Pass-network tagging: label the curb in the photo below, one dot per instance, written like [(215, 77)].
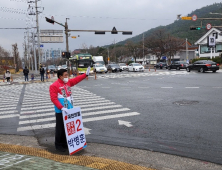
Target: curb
[(87, 161)]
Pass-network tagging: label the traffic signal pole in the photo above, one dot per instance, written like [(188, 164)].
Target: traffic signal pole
[(67, 43)]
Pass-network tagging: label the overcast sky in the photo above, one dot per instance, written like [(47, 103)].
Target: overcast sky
[(130, 15)]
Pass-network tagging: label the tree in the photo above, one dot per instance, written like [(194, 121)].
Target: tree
[(17, 60), (156, 44), (132, 49), (173, 45)]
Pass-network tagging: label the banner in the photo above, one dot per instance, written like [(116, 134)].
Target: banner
[(73, 125)]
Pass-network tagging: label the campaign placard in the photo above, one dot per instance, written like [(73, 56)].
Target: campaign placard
[(73, 125)]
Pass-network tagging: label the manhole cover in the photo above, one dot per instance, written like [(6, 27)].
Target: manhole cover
[(185, 102)]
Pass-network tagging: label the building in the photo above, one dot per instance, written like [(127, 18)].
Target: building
[(204, 50), (51, 54)]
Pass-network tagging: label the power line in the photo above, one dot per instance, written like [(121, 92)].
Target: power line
[(21, 11), (16, 28)]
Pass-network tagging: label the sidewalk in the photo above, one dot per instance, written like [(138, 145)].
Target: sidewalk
[(35, 158), (24, 152)]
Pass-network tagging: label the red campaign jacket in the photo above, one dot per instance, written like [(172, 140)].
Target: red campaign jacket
[(58, 90)]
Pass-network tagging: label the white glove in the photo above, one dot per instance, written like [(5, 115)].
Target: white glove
[(88, 70), (65, 110)]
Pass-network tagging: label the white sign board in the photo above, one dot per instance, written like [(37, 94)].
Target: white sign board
[(73, 125), (211, 41)]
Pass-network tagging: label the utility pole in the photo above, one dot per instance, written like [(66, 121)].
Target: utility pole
[(67, 42), (33, 42), (186, 50), (37, 25), (143, 48)]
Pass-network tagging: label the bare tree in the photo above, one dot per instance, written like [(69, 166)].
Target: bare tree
[(17, 60), (132, 49)]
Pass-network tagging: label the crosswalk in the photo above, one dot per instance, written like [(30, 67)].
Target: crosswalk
[(141, 74), (9, 101), (37, 111)]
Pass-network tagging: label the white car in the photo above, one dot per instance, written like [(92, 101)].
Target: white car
[(99, 68), (123, 66), (135, 67), (59, 67)]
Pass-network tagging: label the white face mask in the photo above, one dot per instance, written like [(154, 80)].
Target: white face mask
[(65, 80)]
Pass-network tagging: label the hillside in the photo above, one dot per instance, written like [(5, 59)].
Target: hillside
[(181, 28)]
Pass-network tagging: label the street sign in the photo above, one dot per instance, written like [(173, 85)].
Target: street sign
[(186, 18), (211, 41), (74, 130), (41, 45), (114, 31), (208, 26), (73, 36), (194, 17)]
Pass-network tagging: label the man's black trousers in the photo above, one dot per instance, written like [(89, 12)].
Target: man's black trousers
[(60, 136)]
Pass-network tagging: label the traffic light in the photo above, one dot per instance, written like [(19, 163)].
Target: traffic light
[(49, 20), (66, 55), (195, 28)]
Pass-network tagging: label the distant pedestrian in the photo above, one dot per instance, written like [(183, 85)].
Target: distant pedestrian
[(42, 72), (32, 77), (8, 76), (26, 73)]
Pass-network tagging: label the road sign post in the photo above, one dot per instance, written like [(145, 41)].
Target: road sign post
[(208, 26), (194, 18)]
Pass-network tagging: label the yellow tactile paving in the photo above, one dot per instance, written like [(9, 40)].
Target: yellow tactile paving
[(87, 161)]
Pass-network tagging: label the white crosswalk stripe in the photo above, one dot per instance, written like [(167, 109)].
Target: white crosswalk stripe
[(37, 111), (9, 100), (141, 74)]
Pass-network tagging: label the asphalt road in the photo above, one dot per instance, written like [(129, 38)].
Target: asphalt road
[(173, 112)]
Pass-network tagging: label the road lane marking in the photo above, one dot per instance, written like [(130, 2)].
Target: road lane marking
[(192, 87), (8, 112), (52, 125), (166, 87), (9, 108), (9, 116), (110, 116), (53, 118), (75, 103), (143, 87), (217, 87), (82, 106)]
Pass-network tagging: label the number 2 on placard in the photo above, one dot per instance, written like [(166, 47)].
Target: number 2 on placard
[(78, 121)]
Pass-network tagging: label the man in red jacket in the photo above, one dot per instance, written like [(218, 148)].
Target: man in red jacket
[(61, 96)]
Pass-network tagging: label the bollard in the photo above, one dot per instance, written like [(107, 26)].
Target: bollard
[(149, 68), (95, 75), (12, 79), (3, 79), (155, 69)]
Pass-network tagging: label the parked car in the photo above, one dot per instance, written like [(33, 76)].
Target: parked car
[(123, 66), (52, 69), (59, 67), (99, 68), (203, 65), (161, 65), (178, 65), (113, 67), (64, 67), (135, 67)]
